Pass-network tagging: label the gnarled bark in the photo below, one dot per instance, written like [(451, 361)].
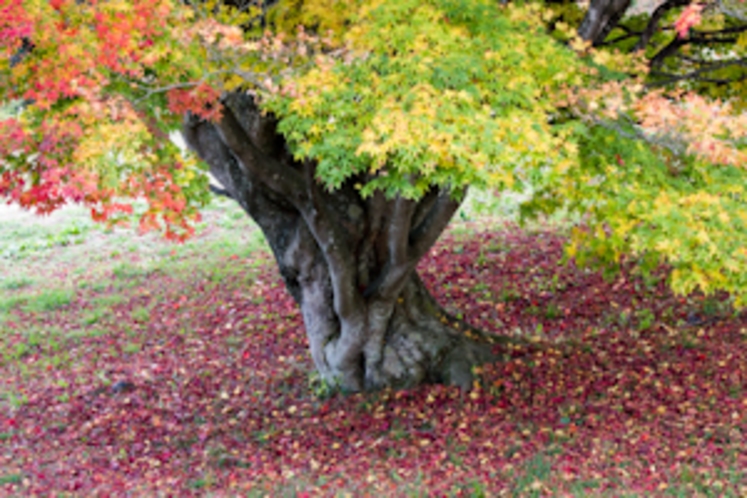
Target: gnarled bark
[(348, 262), (601, 18)]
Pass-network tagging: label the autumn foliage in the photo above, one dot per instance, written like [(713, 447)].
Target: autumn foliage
[(418, 94), (81, 137), (367, 121)]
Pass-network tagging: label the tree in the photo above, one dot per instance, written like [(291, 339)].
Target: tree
[(350, 132)]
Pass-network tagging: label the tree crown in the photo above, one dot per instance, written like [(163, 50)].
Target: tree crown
[(397, 96)]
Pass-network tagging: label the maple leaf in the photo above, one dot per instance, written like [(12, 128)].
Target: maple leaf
[(688, 18)]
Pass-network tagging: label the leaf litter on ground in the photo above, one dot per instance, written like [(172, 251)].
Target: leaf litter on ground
[(190, 384)]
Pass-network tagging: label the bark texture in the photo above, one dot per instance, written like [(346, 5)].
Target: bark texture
[(348, 262), (601, 18)]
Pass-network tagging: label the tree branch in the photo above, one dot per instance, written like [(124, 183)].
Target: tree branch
[(424, 206), (399, 230), (696, 38), (333, 243), (425, 234), (668, 50), (376, 209), (697, 73), (654, 21), (629, 33), (725, 31), (202, 137), (399, 264), (370, 254), (715, 81), (674, 146), (261, 127), (602, 16), (419, 239), (280, 178)]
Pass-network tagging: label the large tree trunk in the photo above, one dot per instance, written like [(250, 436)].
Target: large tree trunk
[(348, 262)]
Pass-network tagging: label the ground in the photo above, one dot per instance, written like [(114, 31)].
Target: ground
[(133, 366)]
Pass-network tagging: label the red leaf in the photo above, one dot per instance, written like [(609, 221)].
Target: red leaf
[(689, 18)]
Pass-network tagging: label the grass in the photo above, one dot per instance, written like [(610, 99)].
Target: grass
[(94, 316), (49, 300), (533, 474), (16, 283), (11, 479), (45, 301), (128, 271), (108, 300), (11, 302), (49, 263), (141, 314), (95, 256)]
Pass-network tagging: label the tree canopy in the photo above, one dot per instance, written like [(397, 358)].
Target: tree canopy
[(646, 148)]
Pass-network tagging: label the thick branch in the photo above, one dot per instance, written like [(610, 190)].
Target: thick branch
[(602, 16), (628, 33), (425, 234), (261, 127), (328, 234), (399, 231), (424, 206), (711, 37), (278, 177), (326, 228), (202, 137), (368, 254), (668, 50), (654, 21), (696, 38), (398, 264), (423, 229), (375, 206), (275, 215)]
